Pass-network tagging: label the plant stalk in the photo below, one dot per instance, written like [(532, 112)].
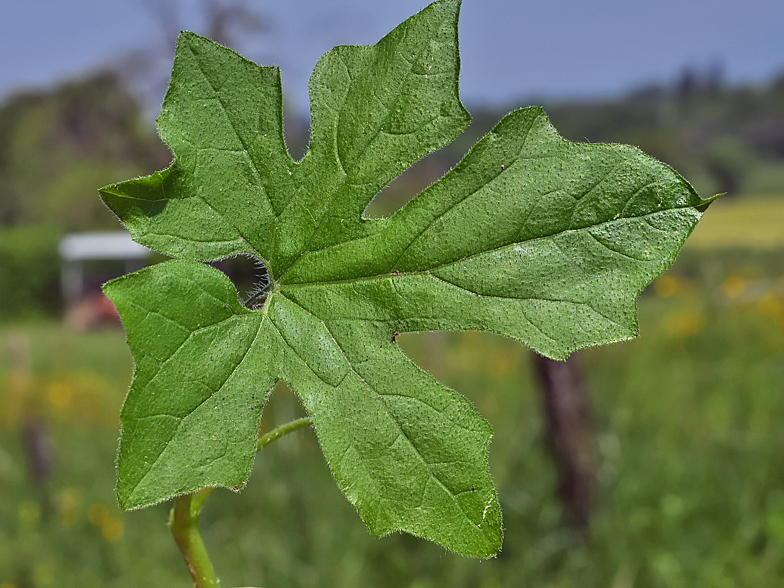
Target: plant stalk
[(184, 517), (184, 525), (276, 434)]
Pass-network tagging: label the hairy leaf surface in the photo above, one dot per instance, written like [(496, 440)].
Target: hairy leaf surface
[(530, 236)]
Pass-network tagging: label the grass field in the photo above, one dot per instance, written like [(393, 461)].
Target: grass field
[(752, 222), (689, 422)]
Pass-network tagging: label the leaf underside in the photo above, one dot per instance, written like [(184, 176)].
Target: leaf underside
[(530, 236)]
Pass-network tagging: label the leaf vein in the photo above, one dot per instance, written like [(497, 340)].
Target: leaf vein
[(394, 420), (182, 419)]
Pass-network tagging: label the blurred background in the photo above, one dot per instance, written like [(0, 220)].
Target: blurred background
[(669, 471)]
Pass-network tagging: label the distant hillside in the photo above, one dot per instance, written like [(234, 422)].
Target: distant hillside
[(57, 148)]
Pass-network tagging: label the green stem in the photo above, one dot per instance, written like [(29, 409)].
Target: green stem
[(184, 517), (184, 525), (198, 499), (276, 434)]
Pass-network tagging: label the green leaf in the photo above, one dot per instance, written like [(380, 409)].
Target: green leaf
[(530, 236)]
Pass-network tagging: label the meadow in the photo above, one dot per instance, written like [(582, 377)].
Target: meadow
[(688, 419)]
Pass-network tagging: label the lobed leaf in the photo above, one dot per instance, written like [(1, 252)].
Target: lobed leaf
[(530, 236)]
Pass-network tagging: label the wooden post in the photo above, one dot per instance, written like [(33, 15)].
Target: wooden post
[(570, 435)]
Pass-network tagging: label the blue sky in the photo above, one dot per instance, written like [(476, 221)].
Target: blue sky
[(510, 50)]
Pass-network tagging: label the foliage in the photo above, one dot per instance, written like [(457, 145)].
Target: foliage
[(56, 146), (530, 236), (29, 272)]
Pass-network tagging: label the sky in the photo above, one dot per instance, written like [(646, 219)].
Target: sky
[(510, 49)]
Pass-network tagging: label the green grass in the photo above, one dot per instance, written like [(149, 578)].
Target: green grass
[(751, 222), (689, 423)]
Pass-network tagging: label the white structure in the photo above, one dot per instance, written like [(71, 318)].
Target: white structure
[(77, 248)]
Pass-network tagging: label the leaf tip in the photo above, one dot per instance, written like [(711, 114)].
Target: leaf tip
[(108, 289), (704, 204), (112, 288), (124, 499), (185, 36)]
